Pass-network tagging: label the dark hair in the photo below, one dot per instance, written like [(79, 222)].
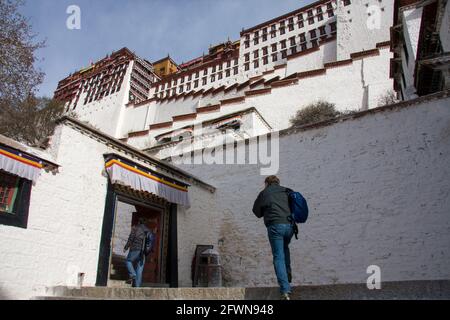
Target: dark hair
[(271, 180), (142, 221)]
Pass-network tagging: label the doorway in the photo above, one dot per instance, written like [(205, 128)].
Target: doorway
[(123, 209)]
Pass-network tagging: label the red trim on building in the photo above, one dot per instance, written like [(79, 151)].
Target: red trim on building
[(138, 133), (265, 73), (232, 100), (257, 83), (303, 53), (216, 91), (161, 125), (198, 93), (233, 86), (283, 83), (274, 79), (243, 85), (258, 92), (338, 63), (311, 73), (280, 66), (384, 44), (284, 16), (183, 117), (210, 108), (365, 53)]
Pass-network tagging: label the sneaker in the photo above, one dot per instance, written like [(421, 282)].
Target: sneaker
[(289, 277), (285, 296)]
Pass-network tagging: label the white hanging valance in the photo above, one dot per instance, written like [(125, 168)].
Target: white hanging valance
[(141, 179), (19, 164)]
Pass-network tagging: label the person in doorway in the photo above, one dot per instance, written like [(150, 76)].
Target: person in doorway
[(272, 203), (136, 258)]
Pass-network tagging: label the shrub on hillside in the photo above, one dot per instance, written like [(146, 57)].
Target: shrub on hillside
[(315, 112)]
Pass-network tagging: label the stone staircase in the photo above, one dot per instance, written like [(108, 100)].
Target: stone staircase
[(435, 289)]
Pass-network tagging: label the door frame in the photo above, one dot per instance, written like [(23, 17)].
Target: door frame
[(105, 250)]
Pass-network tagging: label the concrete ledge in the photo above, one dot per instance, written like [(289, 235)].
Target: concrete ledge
[(147, 293), (405, 290)]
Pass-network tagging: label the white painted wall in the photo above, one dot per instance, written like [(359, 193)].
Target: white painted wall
[(197, 226), (357, 31), (65, 222), (106, 114), (411, 20), (351, 87), (252, 125), (378, 191), (314, 60)]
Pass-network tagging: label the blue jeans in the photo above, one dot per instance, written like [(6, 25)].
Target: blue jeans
[(135, 257), (280, 236)]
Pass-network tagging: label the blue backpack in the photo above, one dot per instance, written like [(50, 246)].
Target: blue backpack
[(298, 206), (149, 242)]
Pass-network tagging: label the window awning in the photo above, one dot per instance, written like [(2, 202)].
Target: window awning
[(237, 119), (139, 178), (20, 164), (175, 133)]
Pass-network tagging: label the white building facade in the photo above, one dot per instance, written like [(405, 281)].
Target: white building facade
[(336, 51)]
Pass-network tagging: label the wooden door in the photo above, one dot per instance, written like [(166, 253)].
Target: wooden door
[(151, 273)]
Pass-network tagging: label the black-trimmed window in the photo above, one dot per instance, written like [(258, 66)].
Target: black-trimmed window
[(14, 200), (274, 57), (274, 47)]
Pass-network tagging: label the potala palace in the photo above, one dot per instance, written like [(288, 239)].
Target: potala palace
[(376, 179), (334, 51)]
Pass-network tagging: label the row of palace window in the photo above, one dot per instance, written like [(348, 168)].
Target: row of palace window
[(204, 81), (95, 83), (196, 75), (290, 25), (283, 44)]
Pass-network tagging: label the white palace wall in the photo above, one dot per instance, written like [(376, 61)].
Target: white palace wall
[(106, 114), (355, 85), (362, 24), (378, 191), (65, 221)]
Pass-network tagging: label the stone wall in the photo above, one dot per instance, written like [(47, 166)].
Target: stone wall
[(378, 189)]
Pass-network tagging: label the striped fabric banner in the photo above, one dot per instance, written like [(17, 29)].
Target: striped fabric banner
[(20, 164), (140, 179)]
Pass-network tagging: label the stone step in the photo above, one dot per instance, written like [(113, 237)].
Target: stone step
[(149, 293), (433, 289)]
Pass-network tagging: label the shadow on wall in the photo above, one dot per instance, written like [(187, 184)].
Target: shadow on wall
[(3, 295)]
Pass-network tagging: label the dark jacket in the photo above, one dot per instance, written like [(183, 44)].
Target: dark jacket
[(136, 238), (272, 204)]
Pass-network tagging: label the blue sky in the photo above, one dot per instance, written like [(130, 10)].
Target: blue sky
[(151, 28)]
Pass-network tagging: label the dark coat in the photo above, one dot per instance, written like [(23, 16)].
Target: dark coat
[(273, 204), (136, 238)]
